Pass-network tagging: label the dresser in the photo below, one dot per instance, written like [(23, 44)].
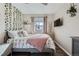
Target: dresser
[(75, 46)]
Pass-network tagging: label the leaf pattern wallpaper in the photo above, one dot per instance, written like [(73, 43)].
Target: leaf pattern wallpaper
[(13, 18)]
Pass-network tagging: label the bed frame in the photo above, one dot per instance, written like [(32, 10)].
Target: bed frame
[(35, 52)]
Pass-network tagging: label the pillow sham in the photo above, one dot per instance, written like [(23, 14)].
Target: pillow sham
[(38, 43), (13, 34)]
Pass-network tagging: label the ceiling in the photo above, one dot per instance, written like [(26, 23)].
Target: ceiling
[(38, 8)]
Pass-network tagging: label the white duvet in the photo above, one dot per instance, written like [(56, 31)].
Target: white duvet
[(20, 42)]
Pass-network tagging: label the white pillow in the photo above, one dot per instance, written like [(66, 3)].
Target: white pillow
[(25, 32), (13, 34)]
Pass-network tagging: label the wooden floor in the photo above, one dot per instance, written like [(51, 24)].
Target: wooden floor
[(59, 52)]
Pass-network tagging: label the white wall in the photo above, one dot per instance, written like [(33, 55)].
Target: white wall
[(2, 23), (49, 21), (70, 28), (27, 27)]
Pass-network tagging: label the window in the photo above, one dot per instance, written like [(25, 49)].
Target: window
[(39, 25)]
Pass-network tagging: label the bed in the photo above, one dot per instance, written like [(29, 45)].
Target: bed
[(20, 45)]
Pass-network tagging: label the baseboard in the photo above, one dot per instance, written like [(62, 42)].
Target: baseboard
[(63, 49)]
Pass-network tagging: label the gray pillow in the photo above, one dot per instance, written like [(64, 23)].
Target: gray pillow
[(21, 34)]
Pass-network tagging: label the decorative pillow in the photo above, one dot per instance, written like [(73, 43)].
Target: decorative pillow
[(38, 43), (21, 34), (25, 32)]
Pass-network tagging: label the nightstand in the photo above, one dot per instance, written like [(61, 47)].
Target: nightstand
[(6, 48)]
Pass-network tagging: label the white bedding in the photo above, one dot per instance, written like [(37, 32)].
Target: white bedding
[(20, 42)]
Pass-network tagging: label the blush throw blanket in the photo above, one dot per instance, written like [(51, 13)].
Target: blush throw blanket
[(37, 43)]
